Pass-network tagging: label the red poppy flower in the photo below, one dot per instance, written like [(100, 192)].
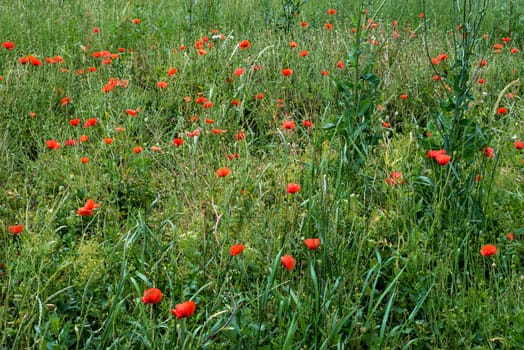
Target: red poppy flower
[(403, 96), (138, 149), (200, 100), (84, 160), (481, 81), (83, 138), (218, 131), (324, 73), (132, 112), (288, 262), (87, 209), (514, 50), (15, 229), (443, 56), (340, 65), (488, 250), (288, 124), (137, 20), (236, 249), (506, 39), (238, 72), (328, 26), (240, 136), (207, 104), (307, 123), (161, 84), (90, 122), (244, 45), (293, 44), (178, 142), (236, 102), (96, 30), (259, 96), (432, 154), (331, 11), (395, 178), (108, 140), (502, 110), (193, 133), (184, 310), (287, 72), (152, 296), (304, 53), (489, 152), (233, 156), (293, 188), (223, 172), (54, 59), (518, 145), (443, 159), (34, 61), (71, 142), (52, 144), (65, 101), (8, 45), (510, 236), (312, 243)]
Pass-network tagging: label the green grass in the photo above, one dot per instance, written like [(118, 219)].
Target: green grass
[(399, 266)]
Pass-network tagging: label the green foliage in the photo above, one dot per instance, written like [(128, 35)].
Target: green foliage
[(398, 264)]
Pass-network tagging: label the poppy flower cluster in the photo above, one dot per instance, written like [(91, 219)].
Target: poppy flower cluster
[(113, 83), (395, 178), (439, 156), (32, 60)]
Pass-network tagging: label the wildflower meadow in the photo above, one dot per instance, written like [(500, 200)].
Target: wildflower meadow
[(273, 174)]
